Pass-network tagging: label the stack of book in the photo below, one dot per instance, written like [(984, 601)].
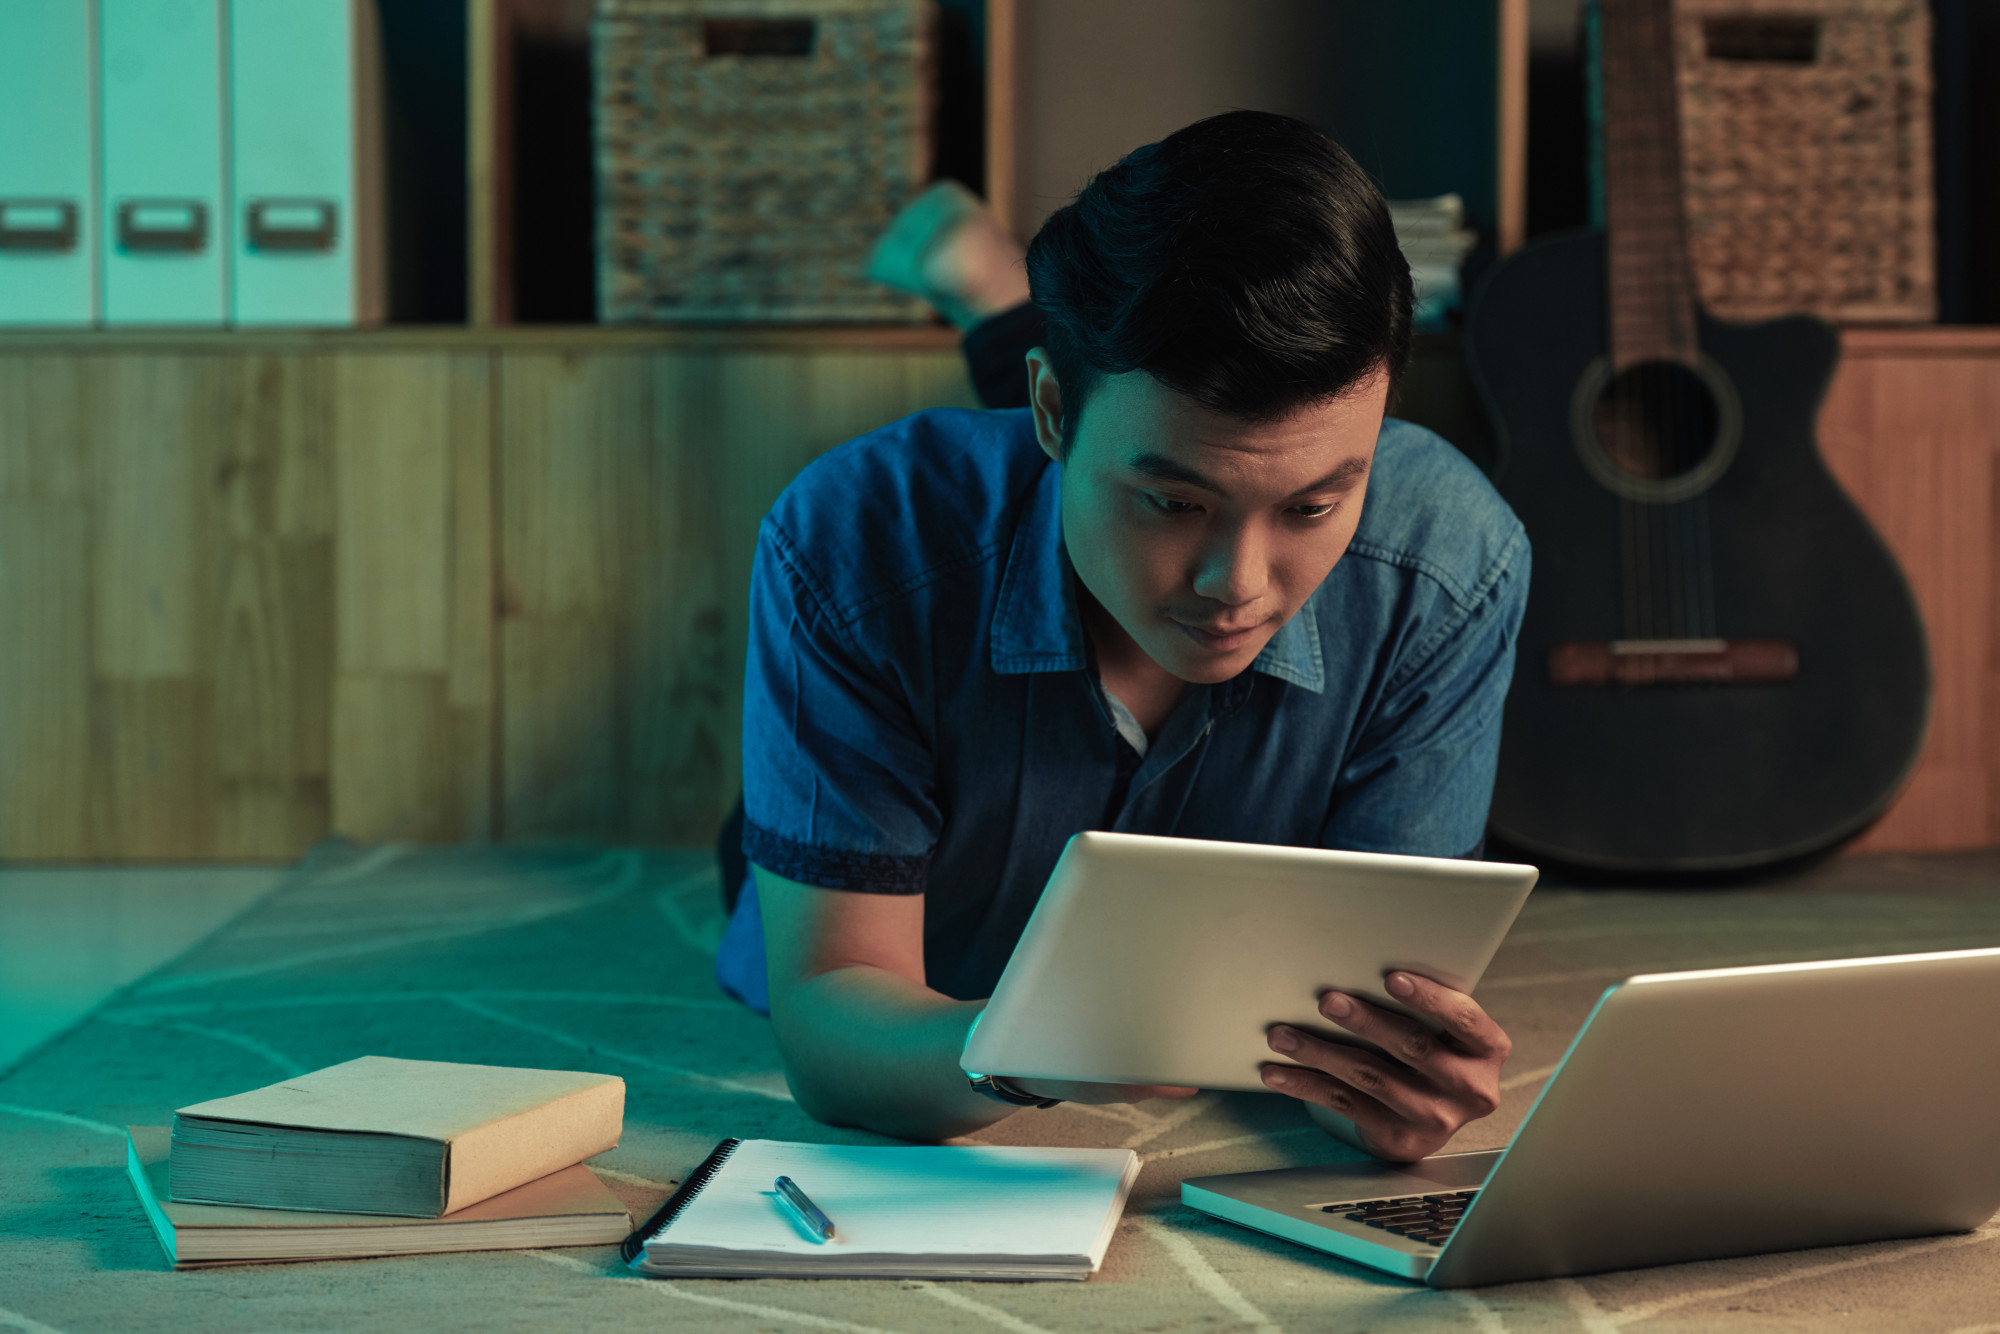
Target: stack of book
[(380, 1156), (1435, 240)]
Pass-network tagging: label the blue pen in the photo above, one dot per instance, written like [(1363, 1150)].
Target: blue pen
[(816, 1222)]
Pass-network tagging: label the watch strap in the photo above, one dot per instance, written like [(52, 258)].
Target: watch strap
[(998, 1089)]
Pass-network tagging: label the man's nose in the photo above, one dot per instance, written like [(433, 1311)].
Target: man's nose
[(1235, 570)]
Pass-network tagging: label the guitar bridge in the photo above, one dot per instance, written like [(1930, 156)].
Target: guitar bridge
[(1673, 662)]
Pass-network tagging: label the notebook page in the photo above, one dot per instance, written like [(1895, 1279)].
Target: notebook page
[(974, 1200)]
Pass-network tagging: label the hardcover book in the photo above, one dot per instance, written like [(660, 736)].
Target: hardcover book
[(378, 1135)]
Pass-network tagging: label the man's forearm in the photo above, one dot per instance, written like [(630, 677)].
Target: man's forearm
[(865, 1047)]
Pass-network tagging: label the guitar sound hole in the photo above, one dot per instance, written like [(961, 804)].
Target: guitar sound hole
[(1656, 421), (1659, 432)]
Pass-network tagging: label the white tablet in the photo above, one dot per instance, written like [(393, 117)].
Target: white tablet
[(1167, 960)]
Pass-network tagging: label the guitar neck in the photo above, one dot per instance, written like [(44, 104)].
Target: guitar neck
[(1651, 281)]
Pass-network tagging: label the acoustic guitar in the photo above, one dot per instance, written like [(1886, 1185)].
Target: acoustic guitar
[(1721, 666)]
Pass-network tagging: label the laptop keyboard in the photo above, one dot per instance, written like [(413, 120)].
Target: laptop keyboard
[(1426, 1218)]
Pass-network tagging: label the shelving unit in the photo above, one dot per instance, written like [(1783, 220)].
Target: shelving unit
[(435, 583)]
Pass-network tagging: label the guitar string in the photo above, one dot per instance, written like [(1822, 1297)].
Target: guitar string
[(1667, 558), (1667, 563)]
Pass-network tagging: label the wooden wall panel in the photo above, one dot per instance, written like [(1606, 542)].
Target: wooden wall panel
[(45, 622), (250, 594), (273, 641), (153, 441), (153, 437), (45, 703), (412, 703), (196, 538), (581, 519), (631, 489), (1912, 430)]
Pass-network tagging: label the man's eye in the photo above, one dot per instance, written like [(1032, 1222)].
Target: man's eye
[(1168, 505), (1315, 511)]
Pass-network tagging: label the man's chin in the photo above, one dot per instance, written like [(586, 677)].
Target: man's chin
[(1206, 667)]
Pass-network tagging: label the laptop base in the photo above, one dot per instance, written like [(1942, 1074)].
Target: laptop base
[(1290, 1203)]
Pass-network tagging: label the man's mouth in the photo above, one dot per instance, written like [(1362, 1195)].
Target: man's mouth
[(1220, 637)]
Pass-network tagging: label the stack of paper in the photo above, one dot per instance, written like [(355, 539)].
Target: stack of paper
[(353, 1155), (1435, 240)]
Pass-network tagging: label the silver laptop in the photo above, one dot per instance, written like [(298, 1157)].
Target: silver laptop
[(1697, 1115)]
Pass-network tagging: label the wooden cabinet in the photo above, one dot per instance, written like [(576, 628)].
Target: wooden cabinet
[(397, 584), (439, 585), (1912, 430)]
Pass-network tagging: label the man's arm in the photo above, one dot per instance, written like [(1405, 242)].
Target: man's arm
[(865, 1042)]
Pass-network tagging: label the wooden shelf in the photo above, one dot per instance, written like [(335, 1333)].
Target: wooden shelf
[(1920, 340), (446, 338)]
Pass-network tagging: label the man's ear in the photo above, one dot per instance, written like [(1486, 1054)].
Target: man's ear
[(1045, 397)]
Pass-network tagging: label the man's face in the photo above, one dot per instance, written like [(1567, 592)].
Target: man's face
[(1199, 533)]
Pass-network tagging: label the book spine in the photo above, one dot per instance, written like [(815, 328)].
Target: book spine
[(678, 1201)]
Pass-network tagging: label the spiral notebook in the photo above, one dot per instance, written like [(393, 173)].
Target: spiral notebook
[(898, 1212)]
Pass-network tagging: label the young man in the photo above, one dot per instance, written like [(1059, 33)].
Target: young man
[(1200, 587)]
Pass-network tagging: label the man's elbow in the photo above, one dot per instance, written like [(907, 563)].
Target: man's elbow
[(898, 1120)]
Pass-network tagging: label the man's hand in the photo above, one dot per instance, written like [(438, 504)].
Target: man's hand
[(1407, 1107)]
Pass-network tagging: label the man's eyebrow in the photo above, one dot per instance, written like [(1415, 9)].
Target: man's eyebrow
[(1341, 478), (1161, 468)]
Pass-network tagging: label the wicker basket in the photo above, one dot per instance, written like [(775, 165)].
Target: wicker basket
[(1806, 141), (749, 152)]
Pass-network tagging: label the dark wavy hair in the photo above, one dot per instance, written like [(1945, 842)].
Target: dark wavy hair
[(1245, 262)]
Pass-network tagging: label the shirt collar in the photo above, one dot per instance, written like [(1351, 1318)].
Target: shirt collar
[(1035, 624), (1036, 627)]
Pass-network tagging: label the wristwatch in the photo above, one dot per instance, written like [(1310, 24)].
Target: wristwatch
[(998, 1089)]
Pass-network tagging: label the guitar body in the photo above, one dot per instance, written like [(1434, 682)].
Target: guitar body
[(1689, 776)]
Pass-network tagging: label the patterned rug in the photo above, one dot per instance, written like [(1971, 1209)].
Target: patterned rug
[(600, 961)]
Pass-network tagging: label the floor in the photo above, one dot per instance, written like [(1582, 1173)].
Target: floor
[(601, 959), (72, 937)]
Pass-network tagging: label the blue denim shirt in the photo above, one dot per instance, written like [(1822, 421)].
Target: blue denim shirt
[(920, 715)]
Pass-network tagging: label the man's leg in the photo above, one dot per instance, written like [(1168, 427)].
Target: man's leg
[(995, 353), (948, 248)]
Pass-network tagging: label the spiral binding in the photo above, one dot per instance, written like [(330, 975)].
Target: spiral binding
[(678, 1201)]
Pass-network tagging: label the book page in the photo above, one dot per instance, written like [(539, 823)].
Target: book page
[(969, 1201), (572, 1191)]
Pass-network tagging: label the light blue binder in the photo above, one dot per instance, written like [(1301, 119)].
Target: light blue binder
[(165, 230), (48, 213), (306, 246)]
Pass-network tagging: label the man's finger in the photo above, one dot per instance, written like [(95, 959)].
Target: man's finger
[(1383, 1131), (1365, 1072), (1402, 1038), (1461, 1016)]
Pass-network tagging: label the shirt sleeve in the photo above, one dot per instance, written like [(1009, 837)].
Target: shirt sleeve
[(838, 780), (1420, 779)]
